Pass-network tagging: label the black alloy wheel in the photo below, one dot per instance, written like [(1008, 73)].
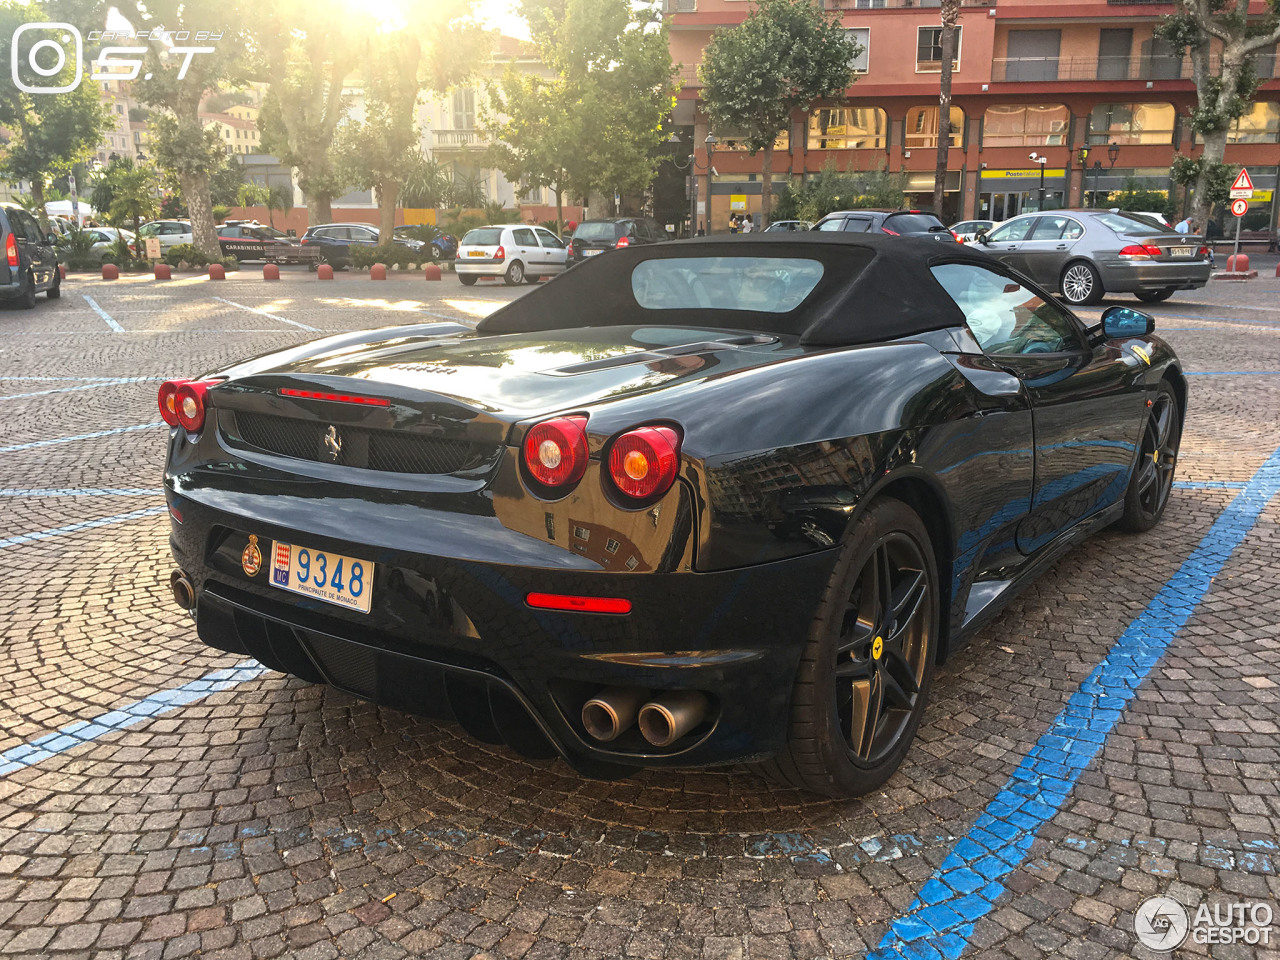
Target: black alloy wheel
[(1151, 482), (867, 668)]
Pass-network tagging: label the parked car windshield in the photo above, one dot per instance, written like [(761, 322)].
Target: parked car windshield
[(483, 237), (600, 230), (761, 284)]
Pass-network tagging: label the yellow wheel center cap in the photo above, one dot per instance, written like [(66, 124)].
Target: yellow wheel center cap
[(877, 647)]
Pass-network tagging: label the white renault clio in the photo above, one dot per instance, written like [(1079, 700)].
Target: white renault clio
[(514, 252)]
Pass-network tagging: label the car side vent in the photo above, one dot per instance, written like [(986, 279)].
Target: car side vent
[(662, 353)]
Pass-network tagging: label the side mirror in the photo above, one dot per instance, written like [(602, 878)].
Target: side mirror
[(1119, 323), (982, 238)]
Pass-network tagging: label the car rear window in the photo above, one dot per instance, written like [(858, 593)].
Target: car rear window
[(601, 230), (912, 223), (483, 237), (1127, 223), (759, 284)]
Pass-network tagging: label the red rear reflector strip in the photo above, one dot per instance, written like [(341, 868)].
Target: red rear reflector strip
[(560, 601), (334, 397)]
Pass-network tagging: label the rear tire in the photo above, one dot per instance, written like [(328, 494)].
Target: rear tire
[(468, 280), (531, 278), (1151, 482), (1080, 284), (55, 291), (28, 299), (1154, 296), (514, 275), (867, 667)]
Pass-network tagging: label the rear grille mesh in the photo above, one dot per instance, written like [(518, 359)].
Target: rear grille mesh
[(361, 447)]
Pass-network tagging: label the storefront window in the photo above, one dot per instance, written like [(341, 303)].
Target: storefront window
[(1131, 123), (1259, 125), (1025, 125), (736, 141), (922, 127), (848, 128)]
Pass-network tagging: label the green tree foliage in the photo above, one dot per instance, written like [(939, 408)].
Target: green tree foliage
[(783, 57), (309, 50), (595, 123), (432, 50), (129, 191), (426, 184), (832, 189), (187, 153), (1223, 41), (1136, 195), (225, 183), (279, 198), (49, 132)]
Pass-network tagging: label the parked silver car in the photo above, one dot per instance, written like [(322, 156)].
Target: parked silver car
[(511, 251), (1086, 254)]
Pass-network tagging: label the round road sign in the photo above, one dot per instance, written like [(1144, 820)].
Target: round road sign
[(1239, 207)]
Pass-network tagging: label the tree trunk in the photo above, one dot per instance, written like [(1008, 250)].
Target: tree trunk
[(950, 14), (388, 190), (319, 209), (766, 186), (37, 197), (1215, 145), (195, 187)]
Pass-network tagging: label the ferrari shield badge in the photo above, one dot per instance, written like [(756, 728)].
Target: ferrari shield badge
[(251, 558)]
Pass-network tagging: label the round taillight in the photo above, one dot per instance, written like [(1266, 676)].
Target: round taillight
[(168, 402), (189, 405), (555, 451), (643, 462)]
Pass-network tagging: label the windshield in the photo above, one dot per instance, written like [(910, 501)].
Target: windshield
[(761, 284), (483, 237), (600, 230)]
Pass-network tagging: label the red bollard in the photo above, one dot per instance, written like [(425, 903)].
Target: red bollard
[(271, 271), (163, 272), (378, 271), (1238, 263), (62, 270), (217, 272), (110, 271), (431, 271), (324, 272)]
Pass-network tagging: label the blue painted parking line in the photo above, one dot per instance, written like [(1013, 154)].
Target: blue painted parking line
[(83, 386), (1233, 373), (1208, 484), (81, 492), (35, 444), (39, 535), (86, 731), (964, 889)]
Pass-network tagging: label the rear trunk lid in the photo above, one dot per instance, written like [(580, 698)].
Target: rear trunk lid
[(480, 244)]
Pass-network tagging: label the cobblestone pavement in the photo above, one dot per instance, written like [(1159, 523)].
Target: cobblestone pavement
[(161, 800)]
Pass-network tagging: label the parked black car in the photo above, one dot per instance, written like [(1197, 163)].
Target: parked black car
[(28, 260), (896, 223), (704, 502), (593, 237), (335, 240)]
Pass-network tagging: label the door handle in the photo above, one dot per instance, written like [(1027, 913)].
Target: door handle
[(1062, 246)]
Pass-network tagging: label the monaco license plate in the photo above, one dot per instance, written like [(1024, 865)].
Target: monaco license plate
[(331, 577), (475, 253), (1182, 251)]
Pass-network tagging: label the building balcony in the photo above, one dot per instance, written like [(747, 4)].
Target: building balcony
[(679, 6), (1047, 69), (457, 140), (896, 4)]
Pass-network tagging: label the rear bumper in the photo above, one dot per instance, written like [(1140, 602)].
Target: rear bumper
[(454, 638), (482, 268), (1126, 277)]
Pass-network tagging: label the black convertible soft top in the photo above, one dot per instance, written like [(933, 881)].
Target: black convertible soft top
[(873, 288)]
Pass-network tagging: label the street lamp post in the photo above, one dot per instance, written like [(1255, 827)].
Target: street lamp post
[(692, 166), (1083, 157), (1036, 158)]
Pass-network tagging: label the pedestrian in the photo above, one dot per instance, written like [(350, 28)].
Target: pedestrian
[(733, 223), (1184, 225), (748, 225)]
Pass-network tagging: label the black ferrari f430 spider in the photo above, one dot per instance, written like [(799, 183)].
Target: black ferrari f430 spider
[(697, 503)]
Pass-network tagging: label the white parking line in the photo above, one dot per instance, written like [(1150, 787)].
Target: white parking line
[(295, 323), (115, 327)]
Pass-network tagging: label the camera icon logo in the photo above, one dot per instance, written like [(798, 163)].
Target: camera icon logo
[(58, 38)]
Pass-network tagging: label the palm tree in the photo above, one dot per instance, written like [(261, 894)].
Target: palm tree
[(950, 14), (133, 192)]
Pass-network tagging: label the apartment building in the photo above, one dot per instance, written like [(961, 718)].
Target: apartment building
[(1030, 77)]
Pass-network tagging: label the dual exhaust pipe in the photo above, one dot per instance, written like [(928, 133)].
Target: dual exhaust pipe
[(663, 718), (184, 594)]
